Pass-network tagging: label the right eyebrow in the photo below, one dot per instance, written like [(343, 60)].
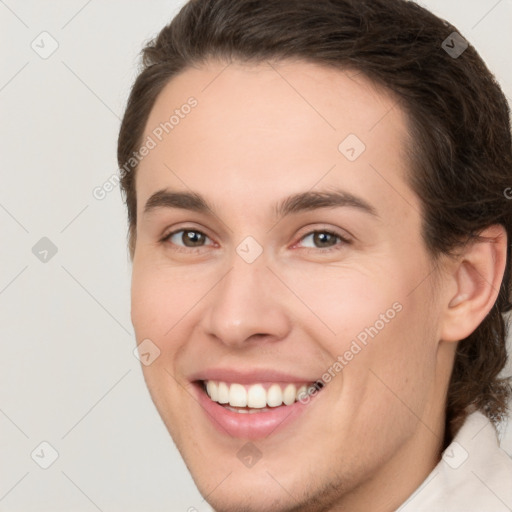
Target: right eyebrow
[(184, 200)]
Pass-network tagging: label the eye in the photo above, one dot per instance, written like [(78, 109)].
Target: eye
[(323, 239), (186, 238)]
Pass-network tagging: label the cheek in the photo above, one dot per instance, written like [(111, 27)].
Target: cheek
[(160, 300), (394, 374), (376, 331), (161, 297), (342, 302)]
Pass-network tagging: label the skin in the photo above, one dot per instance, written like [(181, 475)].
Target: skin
[(259, 134)]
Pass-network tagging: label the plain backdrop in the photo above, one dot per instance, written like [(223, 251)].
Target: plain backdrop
[(68, 374)]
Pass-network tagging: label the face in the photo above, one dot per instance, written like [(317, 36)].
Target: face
[(278, 245)]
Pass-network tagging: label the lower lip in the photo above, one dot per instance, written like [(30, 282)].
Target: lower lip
[(249, 425)]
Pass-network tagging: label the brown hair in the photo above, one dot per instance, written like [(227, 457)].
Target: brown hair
[(461, 149)]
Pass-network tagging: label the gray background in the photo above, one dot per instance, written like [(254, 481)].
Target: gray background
[(69, 376)]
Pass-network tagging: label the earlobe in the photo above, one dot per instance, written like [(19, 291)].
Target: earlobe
[(478, 275)]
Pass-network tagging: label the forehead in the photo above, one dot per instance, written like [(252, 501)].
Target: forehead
[(271, 127)]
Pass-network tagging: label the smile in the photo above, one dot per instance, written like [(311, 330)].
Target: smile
[(254, 410)]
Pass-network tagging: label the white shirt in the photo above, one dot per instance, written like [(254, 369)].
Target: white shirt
[(474, 474)]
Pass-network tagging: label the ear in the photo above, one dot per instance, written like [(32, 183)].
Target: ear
[(476, 280)]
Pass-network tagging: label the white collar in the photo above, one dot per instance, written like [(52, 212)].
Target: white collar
[(474, 474)]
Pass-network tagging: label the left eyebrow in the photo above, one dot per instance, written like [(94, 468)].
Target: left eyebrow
[(296, 203), (310, 200)]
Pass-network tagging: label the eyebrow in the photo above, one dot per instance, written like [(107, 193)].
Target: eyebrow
[(296, 203)]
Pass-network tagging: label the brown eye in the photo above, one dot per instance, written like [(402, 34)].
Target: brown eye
[(322, 240), (187, 238)]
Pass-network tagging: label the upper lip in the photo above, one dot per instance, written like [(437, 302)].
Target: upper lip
[(252, 376)]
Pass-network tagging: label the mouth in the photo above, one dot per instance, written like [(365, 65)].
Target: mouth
[(257, 410)]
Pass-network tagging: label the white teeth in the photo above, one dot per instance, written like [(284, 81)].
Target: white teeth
[(237, 396), (274, 395), (289, 394), (254, 397), (223, 391), (213, 390)]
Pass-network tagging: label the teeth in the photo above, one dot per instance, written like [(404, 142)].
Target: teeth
[(247, 411), (213, 390), (254, 396), (274, 395), (237, 396), (301, 392), (223, 391), (289, 394)]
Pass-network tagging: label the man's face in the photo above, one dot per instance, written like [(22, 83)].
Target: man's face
[(260, 295)]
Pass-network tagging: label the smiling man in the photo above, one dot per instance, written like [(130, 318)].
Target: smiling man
[(318, 228)]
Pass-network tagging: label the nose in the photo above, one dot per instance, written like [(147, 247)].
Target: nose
[(248, 304)]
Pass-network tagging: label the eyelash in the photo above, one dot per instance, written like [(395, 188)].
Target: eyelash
[(337, 247)]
